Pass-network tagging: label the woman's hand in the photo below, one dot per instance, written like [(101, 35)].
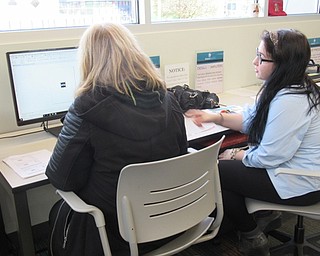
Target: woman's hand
[(226, 155), (199, 116), (228, 120), (233, 154)]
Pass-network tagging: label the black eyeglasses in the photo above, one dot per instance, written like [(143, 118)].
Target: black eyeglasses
[(262, 59)]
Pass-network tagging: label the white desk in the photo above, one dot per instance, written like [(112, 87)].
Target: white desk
[(240, 96), (14, 184)]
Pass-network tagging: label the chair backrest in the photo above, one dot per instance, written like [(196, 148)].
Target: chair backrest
[(162, 198)]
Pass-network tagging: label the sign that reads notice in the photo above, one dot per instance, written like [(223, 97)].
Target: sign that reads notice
[(177, 74), (209, 73)]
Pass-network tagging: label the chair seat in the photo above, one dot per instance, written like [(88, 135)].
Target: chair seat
[(296, 244), (311, 211)]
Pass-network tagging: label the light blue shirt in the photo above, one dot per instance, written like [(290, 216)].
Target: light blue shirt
[(291, 140)]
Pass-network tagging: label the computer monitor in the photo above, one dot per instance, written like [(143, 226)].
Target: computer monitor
[(43, 83)]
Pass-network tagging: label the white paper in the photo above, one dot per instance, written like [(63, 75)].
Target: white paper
[(315, 54), (210, 77), (194, 132), (209, 71), (177, 74), (30, 164)]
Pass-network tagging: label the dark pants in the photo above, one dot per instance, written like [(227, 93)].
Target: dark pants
[(239, 182)]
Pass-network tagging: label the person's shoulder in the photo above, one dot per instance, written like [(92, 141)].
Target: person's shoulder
[(293, 89), (290, 98), (174, 102)]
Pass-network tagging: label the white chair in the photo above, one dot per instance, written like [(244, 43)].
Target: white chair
[(159, 199), (297, 244)]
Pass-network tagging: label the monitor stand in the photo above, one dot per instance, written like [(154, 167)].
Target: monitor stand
[(55, 131)]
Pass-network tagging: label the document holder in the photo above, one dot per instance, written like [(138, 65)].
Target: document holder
[(313, 67)]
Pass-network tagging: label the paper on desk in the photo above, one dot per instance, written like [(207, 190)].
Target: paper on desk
[(194, 131), (30, 164)]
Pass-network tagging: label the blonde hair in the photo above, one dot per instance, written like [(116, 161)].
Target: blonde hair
[(111, 56)]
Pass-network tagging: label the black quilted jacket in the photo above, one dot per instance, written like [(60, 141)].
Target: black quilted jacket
[(103, 132)]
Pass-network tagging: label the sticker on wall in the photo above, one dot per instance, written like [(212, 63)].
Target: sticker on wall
[(156, 61), (209, 73)]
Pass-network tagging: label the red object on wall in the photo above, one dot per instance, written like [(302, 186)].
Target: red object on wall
[(275, 8)]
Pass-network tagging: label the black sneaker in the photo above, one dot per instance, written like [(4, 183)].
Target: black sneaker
[(268, 220), (257, 245)]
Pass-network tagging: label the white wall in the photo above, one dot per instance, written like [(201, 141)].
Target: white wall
[(175, 43)]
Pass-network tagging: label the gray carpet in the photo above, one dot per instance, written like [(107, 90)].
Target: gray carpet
[(226, 244)]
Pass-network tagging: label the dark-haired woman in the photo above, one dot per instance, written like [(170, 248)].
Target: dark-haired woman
[(283, 131)]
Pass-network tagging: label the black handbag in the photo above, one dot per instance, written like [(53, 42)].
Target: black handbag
[(194, 99)]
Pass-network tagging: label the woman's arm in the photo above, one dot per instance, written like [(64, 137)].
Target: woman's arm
[(70, 163), (229, 120)]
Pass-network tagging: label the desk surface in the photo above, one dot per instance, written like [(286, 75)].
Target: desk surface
[(21, 145), (241, 96)]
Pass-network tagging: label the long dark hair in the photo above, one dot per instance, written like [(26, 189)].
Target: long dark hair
[(290, 51)]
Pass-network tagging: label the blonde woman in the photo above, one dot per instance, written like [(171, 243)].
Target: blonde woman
[(122, 114)]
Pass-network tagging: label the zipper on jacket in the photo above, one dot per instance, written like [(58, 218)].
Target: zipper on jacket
[(54, 227), (66, 229)]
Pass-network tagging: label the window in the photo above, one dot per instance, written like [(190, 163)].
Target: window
[(38, 14), (173, 10), (301, 7), (43, 14)]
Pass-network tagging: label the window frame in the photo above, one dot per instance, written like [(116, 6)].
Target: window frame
[(144, 19)]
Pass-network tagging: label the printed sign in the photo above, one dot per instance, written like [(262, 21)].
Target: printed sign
[(209, 73)]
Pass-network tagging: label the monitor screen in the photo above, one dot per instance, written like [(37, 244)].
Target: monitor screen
[(43, 83)]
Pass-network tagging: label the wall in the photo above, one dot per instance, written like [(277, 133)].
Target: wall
[(175, 43)]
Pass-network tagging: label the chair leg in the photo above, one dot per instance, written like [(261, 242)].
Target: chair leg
[(297, 245), (314, 239)]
